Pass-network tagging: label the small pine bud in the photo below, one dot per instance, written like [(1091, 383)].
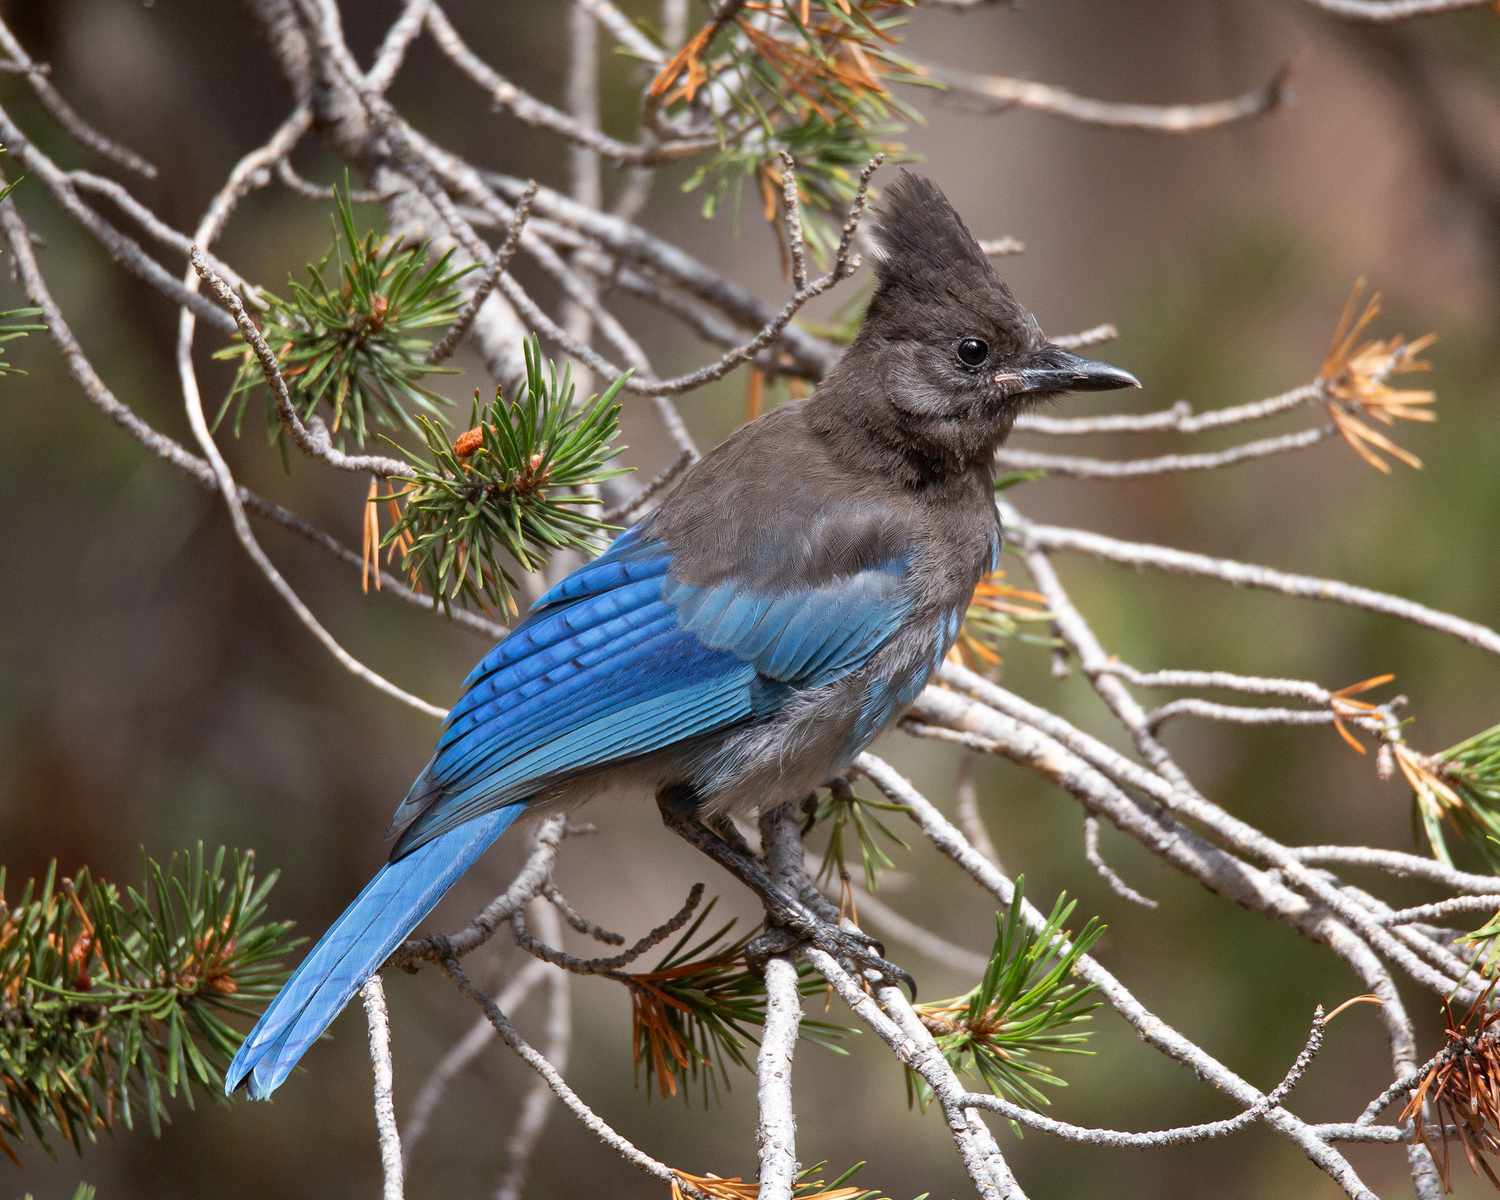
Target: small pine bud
[(468, 441)]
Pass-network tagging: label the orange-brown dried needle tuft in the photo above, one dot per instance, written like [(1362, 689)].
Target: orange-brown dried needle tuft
[(992, 612), (1346, 708), (736, 1188), (1355, 378), (1458, 1099)]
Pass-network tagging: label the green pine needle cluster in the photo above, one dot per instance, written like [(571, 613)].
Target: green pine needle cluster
[(13, 322), (696, 1011), (809, 1185), (13, 325), (509, 492), (113, 1002), (853, 823), (353, 340), (1460, 786), (1027, 1004)]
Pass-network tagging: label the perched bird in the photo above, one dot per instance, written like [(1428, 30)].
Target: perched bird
[(743, 643)]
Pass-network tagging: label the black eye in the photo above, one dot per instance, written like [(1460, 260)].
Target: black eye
[(973, 351)]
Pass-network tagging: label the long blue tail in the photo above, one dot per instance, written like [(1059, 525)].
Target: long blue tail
[(389, 908)]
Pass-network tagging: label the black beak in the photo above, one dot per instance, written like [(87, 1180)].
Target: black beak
[(1053, 369)]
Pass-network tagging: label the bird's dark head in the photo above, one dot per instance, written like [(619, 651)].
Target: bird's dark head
[(947, 357)]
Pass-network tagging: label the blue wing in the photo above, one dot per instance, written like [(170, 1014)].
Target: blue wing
[(621, 659)]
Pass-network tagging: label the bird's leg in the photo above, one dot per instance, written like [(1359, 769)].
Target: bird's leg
[(793, 921), (726, 828), (721, 824)]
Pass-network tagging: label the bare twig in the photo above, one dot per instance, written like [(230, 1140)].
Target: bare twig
[(64, 114), (1106, 872), (1002, 246), (998, 92), (463, 1052), (1166, 464), (295, 181), (1441, 909), (792, 220), (455, 334), (810, 355), (1399, 864), (624, 31), (586, 1116), (1095, 335), (615, 963), (540, 115), (531, 1120), (776, 1122), (1180, 418), (372, 993), (1239, 574), (1182, 1135), (578, 921), (1387, 11)]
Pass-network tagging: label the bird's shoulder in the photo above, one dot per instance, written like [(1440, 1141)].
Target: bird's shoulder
[(775, 507)]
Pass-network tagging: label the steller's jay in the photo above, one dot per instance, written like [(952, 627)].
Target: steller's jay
[(739, 646)]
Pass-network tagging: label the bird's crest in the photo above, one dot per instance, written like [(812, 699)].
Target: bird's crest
[(926, 256), (918, 234)]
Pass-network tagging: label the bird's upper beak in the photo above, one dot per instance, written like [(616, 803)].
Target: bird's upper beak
[(1053, 369)]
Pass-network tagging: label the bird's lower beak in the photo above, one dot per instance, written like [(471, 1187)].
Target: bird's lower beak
[(1053, 369)]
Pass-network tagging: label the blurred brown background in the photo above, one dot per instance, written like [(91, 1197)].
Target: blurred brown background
[(155, 693)]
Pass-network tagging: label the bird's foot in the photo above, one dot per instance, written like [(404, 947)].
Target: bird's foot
[(791, 920), (795, 926)]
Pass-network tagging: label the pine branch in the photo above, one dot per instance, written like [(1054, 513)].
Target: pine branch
[(514, 489), (113, 1002), (1026, 1004), (693, 1014), (1458, 787), (814, 80), (354, 338), (809, 1185)]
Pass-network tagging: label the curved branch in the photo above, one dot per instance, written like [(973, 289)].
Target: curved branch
[(1239, 574), (996, 93), (65, 114), (1388, 11), (1167, 464)]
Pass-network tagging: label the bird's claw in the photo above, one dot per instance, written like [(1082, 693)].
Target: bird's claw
[(865, 954), (852, 948)]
